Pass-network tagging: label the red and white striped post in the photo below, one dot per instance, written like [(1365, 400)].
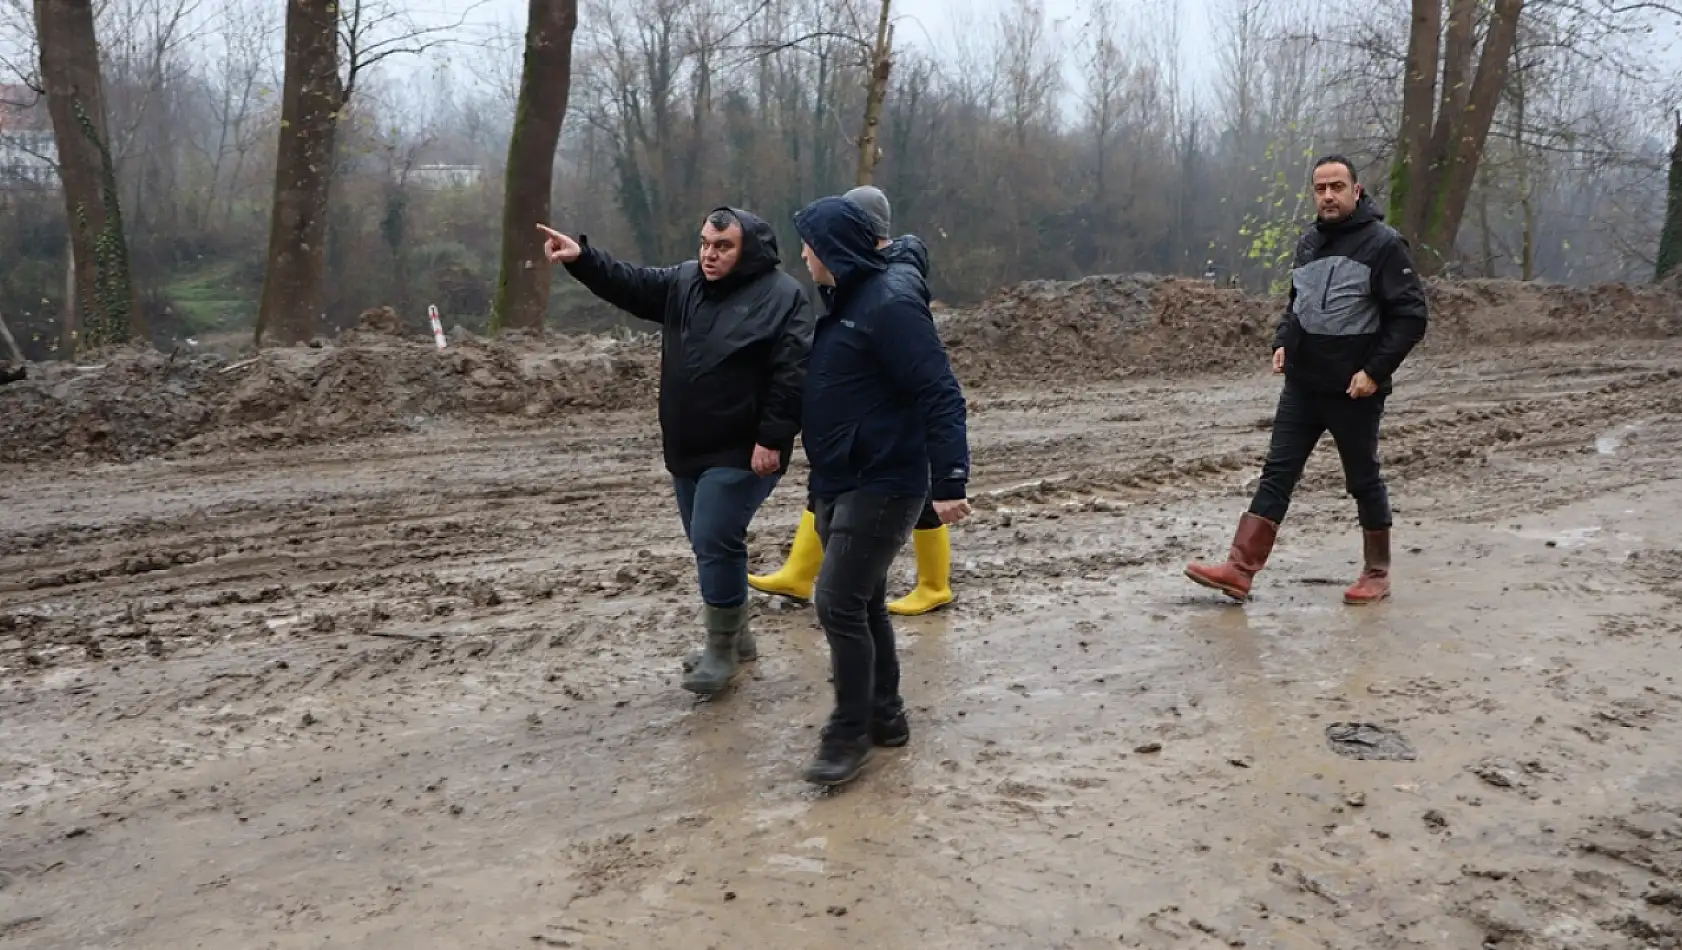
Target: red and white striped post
[(437, 326)]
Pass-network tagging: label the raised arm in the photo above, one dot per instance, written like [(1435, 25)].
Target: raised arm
[(911, 351), (639, 291)]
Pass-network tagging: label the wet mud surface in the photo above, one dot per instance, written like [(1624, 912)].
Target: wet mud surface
[(421, 690)]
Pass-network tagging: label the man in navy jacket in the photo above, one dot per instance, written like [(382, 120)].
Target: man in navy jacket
[(883, 424)]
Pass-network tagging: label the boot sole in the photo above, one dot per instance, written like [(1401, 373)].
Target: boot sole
[(1239, 596), (1356, 602), (833, 782), (805, 599), (712, 692), (919, 613), (689, 662)]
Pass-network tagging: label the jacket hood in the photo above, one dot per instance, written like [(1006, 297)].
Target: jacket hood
[(1366, 211), (909, 249), (842, 236), (759, 250)]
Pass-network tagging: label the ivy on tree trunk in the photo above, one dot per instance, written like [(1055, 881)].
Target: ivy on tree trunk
[(106, 308)]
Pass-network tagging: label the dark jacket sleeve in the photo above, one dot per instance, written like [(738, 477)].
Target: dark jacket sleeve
[(779, 421), (639, 291), (1286, 330), (1287, 322), (1401, 307), (910, 349)]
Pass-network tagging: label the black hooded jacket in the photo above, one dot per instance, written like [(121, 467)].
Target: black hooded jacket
[(733, 351), (1356, 303)]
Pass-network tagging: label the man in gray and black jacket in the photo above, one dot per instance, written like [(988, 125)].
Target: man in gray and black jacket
[(1357, 308)]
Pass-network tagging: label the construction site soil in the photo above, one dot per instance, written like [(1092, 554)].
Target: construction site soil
[(370, 644)]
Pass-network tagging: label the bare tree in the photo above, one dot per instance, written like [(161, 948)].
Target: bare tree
[(108, 311), (1443, 136), (523, 288), (881, 66)]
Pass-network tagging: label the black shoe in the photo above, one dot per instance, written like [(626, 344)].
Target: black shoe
[(892, 732), (839, 760)]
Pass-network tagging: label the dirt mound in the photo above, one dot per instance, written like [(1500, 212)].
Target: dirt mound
[(141, 403), (1506, 311), (1106, 327), (1073, 332), (138, 402)]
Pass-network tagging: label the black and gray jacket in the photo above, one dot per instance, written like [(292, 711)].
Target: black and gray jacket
[(733, 351), (1356, 303)]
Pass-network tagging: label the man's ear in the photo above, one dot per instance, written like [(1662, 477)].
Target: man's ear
[(1360, 190)]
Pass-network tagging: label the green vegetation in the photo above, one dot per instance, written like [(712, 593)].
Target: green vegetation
[(212, 298)]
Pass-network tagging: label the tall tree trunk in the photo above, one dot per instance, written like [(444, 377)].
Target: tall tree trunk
[(310, 103), (1437, 161), (522, 292), (70, 323), (104, 306), (881, 65), (1527, 195), (1670, 240), (1408, 173), (1455, 187)]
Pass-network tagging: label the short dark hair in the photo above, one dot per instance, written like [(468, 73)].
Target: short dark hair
[(1336, 159), (722, 219)]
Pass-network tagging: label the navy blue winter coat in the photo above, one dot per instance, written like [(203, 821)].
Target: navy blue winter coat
[(882, 412)]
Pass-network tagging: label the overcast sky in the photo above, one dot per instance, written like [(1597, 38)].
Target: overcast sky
[(935, 23)]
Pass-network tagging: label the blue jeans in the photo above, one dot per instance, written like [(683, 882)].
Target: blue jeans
[(717, 506)]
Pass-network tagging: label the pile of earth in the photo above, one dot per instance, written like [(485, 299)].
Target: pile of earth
[(1104, 327), (1108, 327), (138, 402)]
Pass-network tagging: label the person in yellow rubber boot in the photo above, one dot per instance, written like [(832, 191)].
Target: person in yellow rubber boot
[(932, 541)]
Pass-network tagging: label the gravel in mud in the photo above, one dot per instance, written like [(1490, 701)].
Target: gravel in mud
[(421, 689)]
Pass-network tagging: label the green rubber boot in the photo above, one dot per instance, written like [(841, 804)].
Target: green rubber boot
[(718, 661), (747, 649)]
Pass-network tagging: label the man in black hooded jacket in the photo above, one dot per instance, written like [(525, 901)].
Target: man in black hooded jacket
[(736, 333), (1357, 309)]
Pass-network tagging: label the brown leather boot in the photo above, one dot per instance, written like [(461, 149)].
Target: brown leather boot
[(1374, 583), (1250, 548)]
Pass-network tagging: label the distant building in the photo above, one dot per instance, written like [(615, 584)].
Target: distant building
[(443, 177), (28, 153)]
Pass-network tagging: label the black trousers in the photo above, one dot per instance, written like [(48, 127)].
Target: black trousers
[(1303, 416), (926, 521), (861, 534)]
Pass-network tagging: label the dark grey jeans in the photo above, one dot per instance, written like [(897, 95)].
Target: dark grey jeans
[(861, 534), (1302, 418)]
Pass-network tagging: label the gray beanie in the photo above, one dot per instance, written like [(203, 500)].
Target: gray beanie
[(875, 205)]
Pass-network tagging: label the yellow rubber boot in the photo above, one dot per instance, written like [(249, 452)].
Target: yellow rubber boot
[(800, 573), (934, 573)]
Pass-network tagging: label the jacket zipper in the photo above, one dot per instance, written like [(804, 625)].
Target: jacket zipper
[(1326, 295)]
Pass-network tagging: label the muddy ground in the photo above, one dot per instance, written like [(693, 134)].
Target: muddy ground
[(421, 690)]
